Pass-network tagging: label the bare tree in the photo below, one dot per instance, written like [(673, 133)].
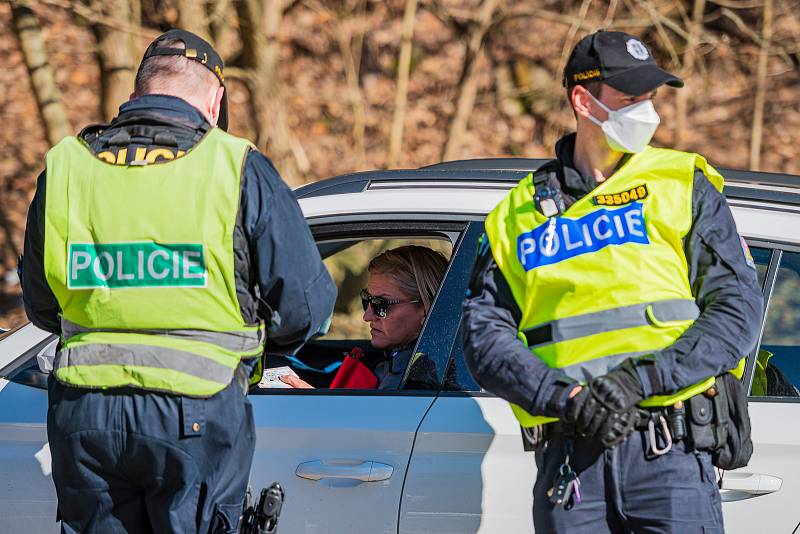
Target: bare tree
[(48, 96), (192, 16), (259, 22), (761, 88), (401, 93), (570, 41), (222, 32), (468, 82), (689, 55), (351, 44), (115, 51)]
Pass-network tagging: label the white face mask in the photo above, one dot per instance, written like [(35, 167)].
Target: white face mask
[(631, 128)]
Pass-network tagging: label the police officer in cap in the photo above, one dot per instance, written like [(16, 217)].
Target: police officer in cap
[(610, 287), (167, 254)]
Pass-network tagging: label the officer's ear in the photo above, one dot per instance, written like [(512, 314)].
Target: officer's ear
[(214, 103), (581, 101)]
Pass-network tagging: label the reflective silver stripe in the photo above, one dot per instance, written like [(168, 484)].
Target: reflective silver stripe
[(145, 356), (238, 342), (617, 319), (585, 371)]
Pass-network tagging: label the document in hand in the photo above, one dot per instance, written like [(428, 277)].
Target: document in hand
[(271, 377)]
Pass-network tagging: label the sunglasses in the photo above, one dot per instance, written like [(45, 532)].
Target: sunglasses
[(380, 305)]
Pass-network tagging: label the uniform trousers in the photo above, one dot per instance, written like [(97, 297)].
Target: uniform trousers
[(628, 489), (127, 460)]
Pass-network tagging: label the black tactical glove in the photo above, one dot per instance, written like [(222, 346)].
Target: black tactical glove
[(620, 389), (617, 427), (586, 413), (592, 418)]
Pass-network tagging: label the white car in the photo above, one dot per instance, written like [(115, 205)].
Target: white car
[(450, 458)]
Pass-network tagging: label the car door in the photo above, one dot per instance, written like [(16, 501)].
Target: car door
[(27, 495), (762, 496), (470, 440), (342, 455), (468, 472)]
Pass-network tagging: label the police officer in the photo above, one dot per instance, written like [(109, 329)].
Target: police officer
[(166, 253), (612, 277)]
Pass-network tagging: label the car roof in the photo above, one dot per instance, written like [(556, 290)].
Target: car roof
[(503, 173)]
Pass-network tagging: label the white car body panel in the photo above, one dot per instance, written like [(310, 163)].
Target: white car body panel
[(295, 429), (458, 463), (469, 473)]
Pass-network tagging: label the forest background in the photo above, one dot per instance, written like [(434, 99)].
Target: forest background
[(327, 87)]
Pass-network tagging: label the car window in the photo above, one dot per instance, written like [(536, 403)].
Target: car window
[(458, 377), (777, 369), (761, 257), (319, 361)]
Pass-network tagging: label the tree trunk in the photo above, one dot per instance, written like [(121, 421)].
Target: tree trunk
[(468, 83), (117, 63), (192, 17), (401, 94), (761, 88), (260, 51), (682, 98), (48, 96), (350, 46), (221, 31)]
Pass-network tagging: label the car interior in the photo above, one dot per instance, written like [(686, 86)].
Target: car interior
[(347, 260)]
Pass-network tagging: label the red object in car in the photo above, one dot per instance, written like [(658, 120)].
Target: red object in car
[(353, 374)]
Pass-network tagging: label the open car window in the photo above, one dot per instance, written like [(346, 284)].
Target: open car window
[(347, 259)]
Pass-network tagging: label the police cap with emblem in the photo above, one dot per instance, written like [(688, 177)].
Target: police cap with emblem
[(617, 59), (196, 49)]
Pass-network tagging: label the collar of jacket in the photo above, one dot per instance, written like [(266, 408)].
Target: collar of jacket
[(162, 108), (574, 182)]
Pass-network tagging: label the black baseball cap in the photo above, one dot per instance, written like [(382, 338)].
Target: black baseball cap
[(197, 49), (617, 59)]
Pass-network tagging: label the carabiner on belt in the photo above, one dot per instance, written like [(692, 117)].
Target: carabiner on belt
[(651, 433)]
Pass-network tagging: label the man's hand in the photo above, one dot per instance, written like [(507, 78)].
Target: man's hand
[(619, 390), (617, 427), (585, 412), (592, 418)]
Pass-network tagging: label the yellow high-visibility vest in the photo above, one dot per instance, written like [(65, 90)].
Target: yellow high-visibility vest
[(606, 280)]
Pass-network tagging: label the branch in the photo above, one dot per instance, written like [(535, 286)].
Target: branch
[(34, 50), (570, 40), (401, 94), (117, 60), (761, 89), (96, 17), (659, 22), (192, 17), (682, 99), (468, 83)]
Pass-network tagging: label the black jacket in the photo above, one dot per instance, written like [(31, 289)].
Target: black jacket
[(280, 277), (723, 282)]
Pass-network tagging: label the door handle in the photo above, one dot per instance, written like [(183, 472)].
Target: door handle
[(364, 471), (739, 486)]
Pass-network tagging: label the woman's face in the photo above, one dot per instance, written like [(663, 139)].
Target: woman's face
[(402, 323)]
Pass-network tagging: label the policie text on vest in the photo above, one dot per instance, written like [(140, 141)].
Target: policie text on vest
[(144, 264), (561, 238)]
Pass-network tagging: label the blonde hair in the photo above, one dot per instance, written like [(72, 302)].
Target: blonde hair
[(416, 270)]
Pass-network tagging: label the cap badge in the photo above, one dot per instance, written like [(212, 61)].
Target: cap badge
[(637, 50)]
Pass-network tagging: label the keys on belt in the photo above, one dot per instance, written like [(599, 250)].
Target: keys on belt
[(566, 490)]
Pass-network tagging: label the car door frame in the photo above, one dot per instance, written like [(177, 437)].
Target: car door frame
[(327, 228)]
